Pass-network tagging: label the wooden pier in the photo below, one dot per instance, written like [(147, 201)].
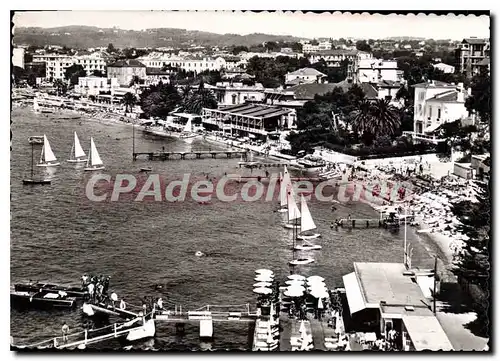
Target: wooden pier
[(193, 154), (369, 223)]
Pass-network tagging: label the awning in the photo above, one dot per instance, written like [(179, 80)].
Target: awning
[(432, 128), (426, 333), (353, 292)]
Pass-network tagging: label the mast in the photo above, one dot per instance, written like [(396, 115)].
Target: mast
[(405, 256), (32, 150), (133, 139), (434, 292)]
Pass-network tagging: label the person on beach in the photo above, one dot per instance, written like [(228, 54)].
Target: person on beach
[(65, 331)]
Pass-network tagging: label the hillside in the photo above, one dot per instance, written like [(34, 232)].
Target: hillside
[(89, 36)]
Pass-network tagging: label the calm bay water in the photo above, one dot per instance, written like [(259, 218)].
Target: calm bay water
[(57, 234)]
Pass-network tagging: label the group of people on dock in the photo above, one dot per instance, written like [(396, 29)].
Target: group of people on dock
[(96, 286)]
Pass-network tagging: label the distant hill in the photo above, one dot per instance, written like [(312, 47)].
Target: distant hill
[(90, 36)]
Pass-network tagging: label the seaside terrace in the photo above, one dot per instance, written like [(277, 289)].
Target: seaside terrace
[(385, 296), (246, 119)]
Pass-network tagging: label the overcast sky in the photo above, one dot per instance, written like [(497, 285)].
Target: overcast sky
[(309, 25)]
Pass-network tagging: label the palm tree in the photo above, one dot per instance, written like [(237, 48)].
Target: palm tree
[(362, 119), (129, 100), (201, 98), (385, 118)]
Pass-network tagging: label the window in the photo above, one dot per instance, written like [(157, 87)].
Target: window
[(420, 108), (234, 98), (430, 112)]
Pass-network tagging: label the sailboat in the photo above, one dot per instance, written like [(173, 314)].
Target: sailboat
[(296, 214), (306, 222), (187, 133), (32, 180), (77, 154), (47, 157), (94, 162), (293, 211), (285, 184)]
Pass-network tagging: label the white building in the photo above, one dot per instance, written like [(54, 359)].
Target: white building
[(437, 103), (57, 64), (323, 45), (376, 70), (304, 75), (232, 93), (334, 58), (445, 68), (95, 85), (187, 63), (18, 57)]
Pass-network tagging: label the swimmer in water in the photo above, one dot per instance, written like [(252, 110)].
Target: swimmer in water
[(199, 254)]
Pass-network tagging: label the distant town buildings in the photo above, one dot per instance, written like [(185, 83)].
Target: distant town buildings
[(376, 70), (437, 103), (470, 53), (190, 62), (335, 58), (94, 86), (321, 46), (18, 57), (57, 64)]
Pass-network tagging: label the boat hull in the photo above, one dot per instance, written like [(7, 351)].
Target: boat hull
[(23, 300), (307, 247), (46, 287), (76, 160), (48, 164), (36, 181), (90, 169), (299, 262), (282, 210), (307, 236), (291, 226)]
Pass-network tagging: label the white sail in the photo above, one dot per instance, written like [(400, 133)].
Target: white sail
[(306, 221), (78, 148), (47, 154), (293, 210), (285, 171), (188, 127), (285, 187), (94, 155)]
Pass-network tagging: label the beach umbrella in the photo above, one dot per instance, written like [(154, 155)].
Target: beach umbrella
[(264, 271), (263, 291), (313, 278), (263, 284), (263, 278), (320, 304), (296, 285), (319, 294), (294, 292), (296, 277), (294, 282)]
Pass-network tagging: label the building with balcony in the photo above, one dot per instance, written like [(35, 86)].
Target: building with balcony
[(335, 58), (94, 86), (156, 75), (323, 45), (255, 120), (437, 103), (57, 64), (190, 62), (470, 53), (126, 70), (234, 93), (376, 70)]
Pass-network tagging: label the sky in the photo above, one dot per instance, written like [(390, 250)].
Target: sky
[(307, 25)]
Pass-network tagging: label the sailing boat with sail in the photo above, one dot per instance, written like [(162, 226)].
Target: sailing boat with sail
[(94, 162), (47, 157), (293, 212), (32, 180), (77, 154), (306, 222), (285, 185), (187, 133), (296, 215)]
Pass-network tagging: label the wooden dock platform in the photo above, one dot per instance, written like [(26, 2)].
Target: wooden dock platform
[(193, 154)]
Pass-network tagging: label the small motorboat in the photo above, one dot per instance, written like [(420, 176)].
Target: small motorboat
[(301, 261), (36, 139), (308, 236), (41, 300), (282, 210), (307, 247), (199, 254), (146, 169), (71, 291)]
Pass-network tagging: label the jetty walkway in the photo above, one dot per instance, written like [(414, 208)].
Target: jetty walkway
[(193, 154)]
